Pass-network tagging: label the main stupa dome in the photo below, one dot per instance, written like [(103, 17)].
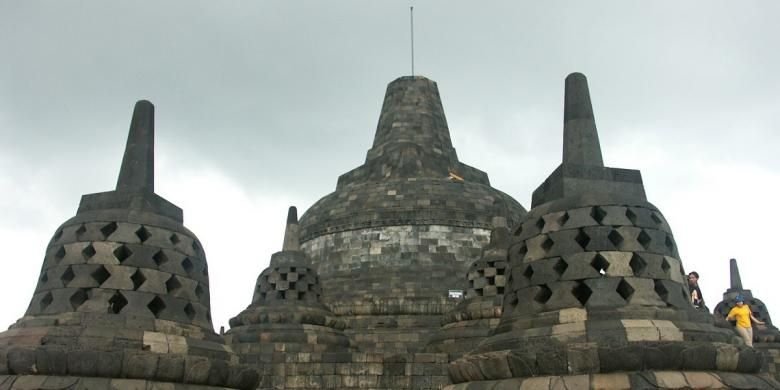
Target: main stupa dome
[(401, 230)]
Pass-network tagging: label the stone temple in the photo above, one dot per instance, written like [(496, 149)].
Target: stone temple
[(414, 273)]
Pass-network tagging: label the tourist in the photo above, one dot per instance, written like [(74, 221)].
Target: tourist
[(742, 314), (693, 284)]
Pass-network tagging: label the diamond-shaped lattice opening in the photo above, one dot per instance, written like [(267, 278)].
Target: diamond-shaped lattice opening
[(156, 306), (600, 264), (669, 242), (615, 238), (189, 311), (46, 300), (205, 270), (160, 258), (44, 277), (174, 239), (173, 284), (138, 279), (143, 234), (81, 230), (547, 244), (598, 214), (187, 265), (644, 239), (637, 264), (540, 223), (543, 295), (519, 230), (78, 298), (57, 235), (529, 272), (100, 275), (661, 290), (199, 291), (521, 250), (60, 254), (117, 303), (582, 239), (67, 276), (665, 266), (624, 289), (582, 292), (122, 253), (656, 219), (107, 229), (195, 246), (563, 219), (511, 300), (88, 252), (631, 216), (560, 266)]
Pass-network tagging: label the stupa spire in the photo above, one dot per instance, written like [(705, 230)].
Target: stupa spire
[(582, 169), (412, 139), (736, 281), (580, 136), (137, 172), (291, 240)]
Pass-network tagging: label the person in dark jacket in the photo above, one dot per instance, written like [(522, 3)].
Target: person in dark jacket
[(697, 300)]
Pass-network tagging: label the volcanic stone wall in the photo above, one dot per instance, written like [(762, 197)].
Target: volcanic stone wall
[(413, 256), (352, 370)]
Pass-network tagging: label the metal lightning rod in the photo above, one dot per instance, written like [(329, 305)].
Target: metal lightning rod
[(411, 25)]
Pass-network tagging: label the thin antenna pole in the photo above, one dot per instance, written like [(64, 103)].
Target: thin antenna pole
[(411, 25)]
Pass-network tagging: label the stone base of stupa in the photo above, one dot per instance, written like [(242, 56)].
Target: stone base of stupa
[(632, 380), (28, 382)]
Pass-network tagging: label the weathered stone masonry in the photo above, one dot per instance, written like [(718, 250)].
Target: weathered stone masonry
[(585, 290)]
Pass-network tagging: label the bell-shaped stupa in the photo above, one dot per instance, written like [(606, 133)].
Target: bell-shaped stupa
[(767, 333), (402, 229), (122, 300), (597, 296), (286, 313), (478, 314)]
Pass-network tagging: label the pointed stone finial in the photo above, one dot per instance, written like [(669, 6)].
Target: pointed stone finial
[(291, 240), (736, 282), (580, 137), (137, 172)]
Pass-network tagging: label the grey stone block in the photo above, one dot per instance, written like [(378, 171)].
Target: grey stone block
[(218, 373), (170, 368), (21, 361), (140, 365), (83, 363), (196, 369), (51, 361), (109, 364)]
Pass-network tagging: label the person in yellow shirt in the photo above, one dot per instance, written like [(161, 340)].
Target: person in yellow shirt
[(742, 314)]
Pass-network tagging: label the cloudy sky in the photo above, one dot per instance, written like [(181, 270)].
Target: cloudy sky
[(262, 104)]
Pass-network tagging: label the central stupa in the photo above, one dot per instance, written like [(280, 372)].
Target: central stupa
[(401, 230)]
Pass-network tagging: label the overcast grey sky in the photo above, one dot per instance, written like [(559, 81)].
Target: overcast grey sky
[(263, 104)]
